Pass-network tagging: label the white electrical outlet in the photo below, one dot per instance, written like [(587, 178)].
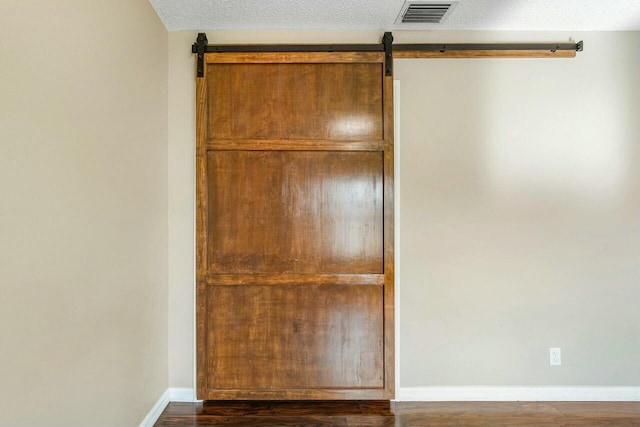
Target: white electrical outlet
[(555, 357)]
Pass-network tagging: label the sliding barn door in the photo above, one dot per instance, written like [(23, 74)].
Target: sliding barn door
[(295, 226)]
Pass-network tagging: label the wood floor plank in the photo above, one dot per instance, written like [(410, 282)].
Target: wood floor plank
[(598, 409), (401, 414), (251, 420)]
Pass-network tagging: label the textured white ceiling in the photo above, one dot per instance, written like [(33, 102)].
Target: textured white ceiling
[(381, 15)]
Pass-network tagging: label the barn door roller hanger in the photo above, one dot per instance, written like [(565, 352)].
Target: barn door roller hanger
[(412, 50)]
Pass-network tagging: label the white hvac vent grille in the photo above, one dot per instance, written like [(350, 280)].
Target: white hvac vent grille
[(424, 12)]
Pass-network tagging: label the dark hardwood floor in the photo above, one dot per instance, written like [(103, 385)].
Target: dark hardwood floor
[(404, 414)]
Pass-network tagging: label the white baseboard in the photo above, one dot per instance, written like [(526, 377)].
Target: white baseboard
[(169, 395), (480, 394), (182, 395), (156, 411)]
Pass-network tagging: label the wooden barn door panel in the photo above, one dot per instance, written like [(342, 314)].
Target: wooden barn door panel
[(295, 337), (309, 212), (295, 101), (294, 227)]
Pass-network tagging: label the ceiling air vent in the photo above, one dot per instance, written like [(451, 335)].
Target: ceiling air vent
[(421, 12)]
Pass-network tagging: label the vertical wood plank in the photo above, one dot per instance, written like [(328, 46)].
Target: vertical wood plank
[(201, 233), (389, 295)]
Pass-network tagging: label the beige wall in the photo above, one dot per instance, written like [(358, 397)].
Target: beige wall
[(182, 127), (83, 212), (520, 210), (520, 225)]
